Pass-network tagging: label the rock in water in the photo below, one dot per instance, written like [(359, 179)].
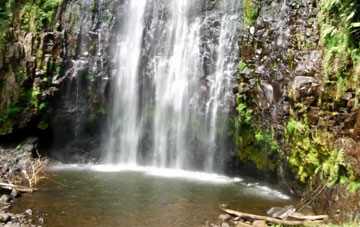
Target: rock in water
[(259, 223), (282, 213), (28, 212), (5, 199), (5, 217), (224, 217), (14, 193), (242, 225)]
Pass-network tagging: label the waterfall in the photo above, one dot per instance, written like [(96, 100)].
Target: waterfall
[(124, 134), (172, 90)]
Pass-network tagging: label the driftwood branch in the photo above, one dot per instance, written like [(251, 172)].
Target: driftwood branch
[(17, 187), (300, 216), (264, 218), (36, 172)]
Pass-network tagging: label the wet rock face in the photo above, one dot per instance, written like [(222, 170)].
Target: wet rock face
[(81, 109), (282, 61), (14, 159), (304, 87), (273, 49), (44, 67), (26, 75), (283, 75), (336, 201), (82, 151)]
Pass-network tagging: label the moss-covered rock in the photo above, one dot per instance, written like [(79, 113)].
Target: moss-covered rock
[(40, 43), (298, 89)]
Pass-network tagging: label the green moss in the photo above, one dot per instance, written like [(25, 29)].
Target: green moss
[(91, 76), (13, 110), (242, 65), (311, 153), (43, 106), (38, 14), (339, 21), (6, 10), (250, 13), (42, 125), (253, 142), (92, 49), (20, 75), (50, 68), (354, 186), (92, 7), (34, 96), (258, 146), (102, 111)]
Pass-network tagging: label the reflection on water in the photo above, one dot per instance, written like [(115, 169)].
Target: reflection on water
[(104, 196)]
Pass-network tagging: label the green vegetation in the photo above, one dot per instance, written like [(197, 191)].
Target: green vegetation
[(38, 14), (20, 75), (311, 153), (34, 96), (340, 38), (253, 142), (91, 76), (34, 16), (102, 110), (352, 224), (43, 106), (16, 108), (250, 12), (50, 68), (42, 125), (58, 70), (6, 9), (242, 65), (93, 6)]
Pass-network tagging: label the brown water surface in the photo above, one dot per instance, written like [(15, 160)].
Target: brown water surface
[(161, 198)]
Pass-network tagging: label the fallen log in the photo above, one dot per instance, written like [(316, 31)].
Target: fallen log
[(264, 218), (17, 187), (300, 216)]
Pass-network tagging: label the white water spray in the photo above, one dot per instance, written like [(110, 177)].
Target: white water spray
[(176, 64)]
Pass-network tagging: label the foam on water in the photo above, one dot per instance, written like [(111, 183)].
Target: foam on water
[(255, 188)]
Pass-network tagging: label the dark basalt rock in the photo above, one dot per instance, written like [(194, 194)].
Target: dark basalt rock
[(283, 75), (304, 86), (15, 158)]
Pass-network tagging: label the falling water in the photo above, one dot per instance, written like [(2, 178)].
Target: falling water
[(124, 134), (173, 87)]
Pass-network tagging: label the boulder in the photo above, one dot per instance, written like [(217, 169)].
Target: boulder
[(5, 199), (259, 223), (304, 86), (14, 193), (281, 212), (224, 217), (5, 217)]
